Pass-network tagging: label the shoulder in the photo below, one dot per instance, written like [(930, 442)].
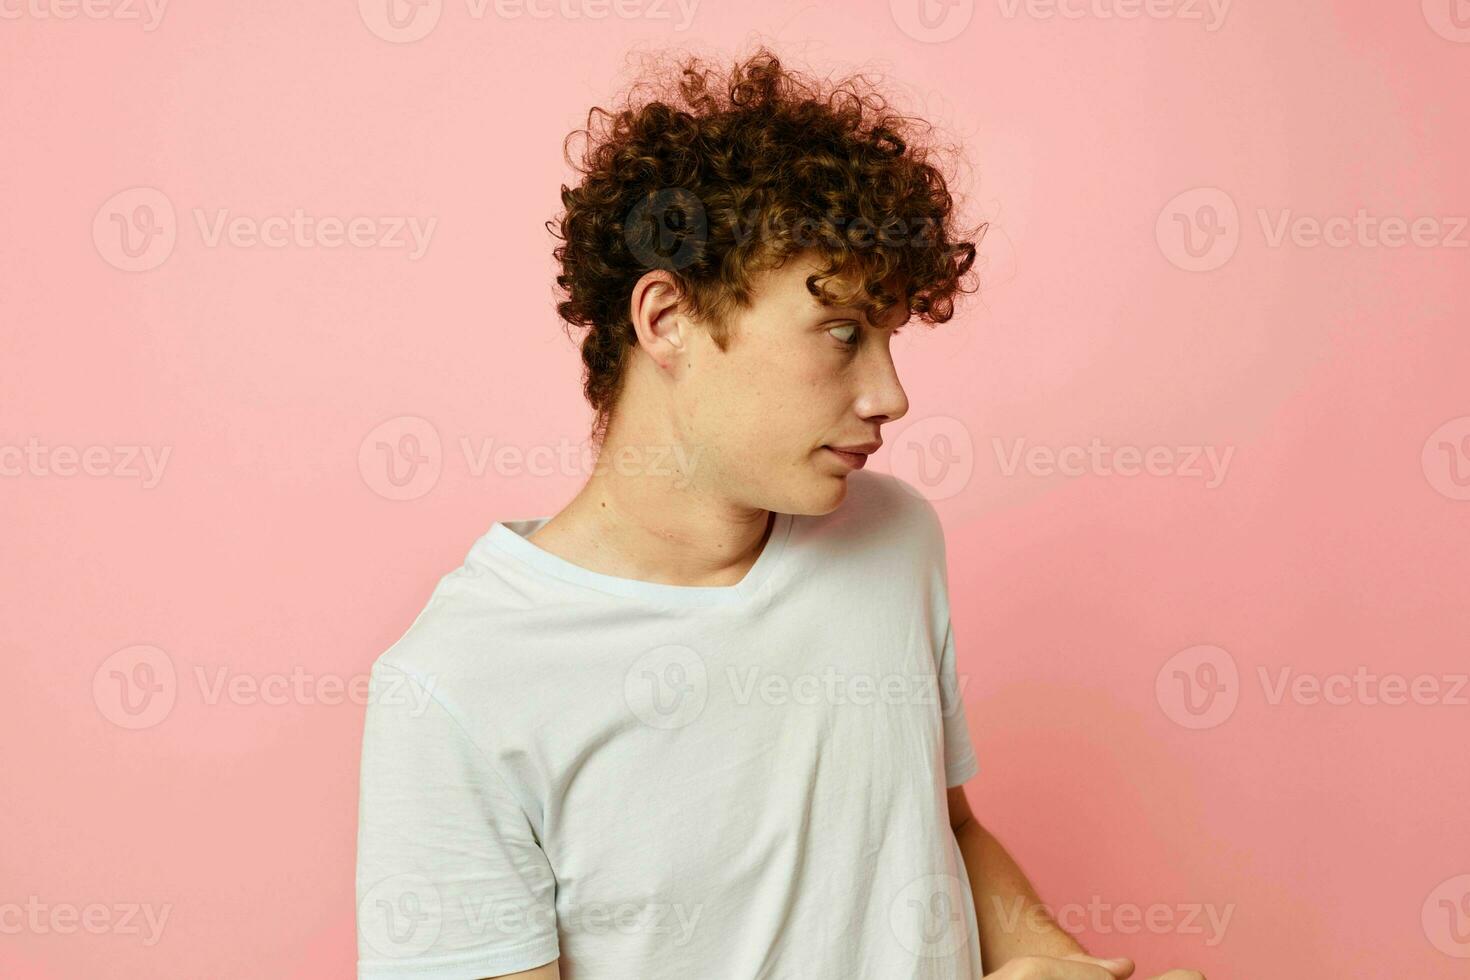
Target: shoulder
[(895, 501), (893, 516), (452, 628)]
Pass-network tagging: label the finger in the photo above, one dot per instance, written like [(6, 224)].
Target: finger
[(1118, 967), (1052, 968)]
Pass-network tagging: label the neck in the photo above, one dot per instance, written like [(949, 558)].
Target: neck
[(647, 513)]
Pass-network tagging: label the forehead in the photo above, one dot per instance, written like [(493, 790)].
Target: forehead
[(785, 289)]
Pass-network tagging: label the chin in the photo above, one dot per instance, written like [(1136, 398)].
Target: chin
[(822, 495)]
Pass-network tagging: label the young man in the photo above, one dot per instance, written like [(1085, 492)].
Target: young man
[(705, 722)]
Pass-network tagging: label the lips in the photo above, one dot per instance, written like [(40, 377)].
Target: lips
[(854, 459), (866, 448)]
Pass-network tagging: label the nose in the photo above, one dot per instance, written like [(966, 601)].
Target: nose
[(882, 398)]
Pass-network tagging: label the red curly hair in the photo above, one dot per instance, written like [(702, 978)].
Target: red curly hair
[(716, 177)]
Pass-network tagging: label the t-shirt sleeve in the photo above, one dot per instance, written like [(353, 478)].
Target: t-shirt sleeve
[(960, 763), (451, 881), (959, 753)]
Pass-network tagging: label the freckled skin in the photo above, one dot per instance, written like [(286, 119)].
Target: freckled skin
[(787, 385)]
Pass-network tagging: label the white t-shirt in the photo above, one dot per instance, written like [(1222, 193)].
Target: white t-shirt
[(656, 781)]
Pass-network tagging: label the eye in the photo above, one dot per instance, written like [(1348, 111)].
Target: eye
[(846, 326)]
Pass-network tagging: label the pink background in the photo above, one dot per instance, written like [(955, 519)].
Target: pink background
[(1333, 835)]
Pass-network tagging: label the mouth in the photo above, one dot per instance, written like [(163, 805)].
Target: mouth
[(852, 459)]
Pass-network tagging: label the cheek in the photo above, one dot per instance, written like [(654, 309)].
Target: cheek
[(753, 410), (802, 383)]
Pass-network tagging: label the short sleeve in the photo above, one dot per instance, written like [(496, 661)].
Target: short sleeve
[(451, 881), (959, 754)]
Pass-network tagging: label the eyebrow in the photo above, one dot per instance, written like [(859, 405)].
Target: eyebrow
[(825, 312), (849, 313)]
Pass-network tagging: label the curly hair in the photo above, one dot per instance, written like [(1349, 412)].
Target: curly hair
[(717, 177)]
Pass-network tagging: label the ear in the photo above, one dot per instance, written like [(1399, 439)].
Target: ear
[(659, 319)]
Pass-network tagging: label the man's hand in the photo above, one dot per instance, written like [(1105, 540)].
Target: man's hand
[(1078, 967)]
